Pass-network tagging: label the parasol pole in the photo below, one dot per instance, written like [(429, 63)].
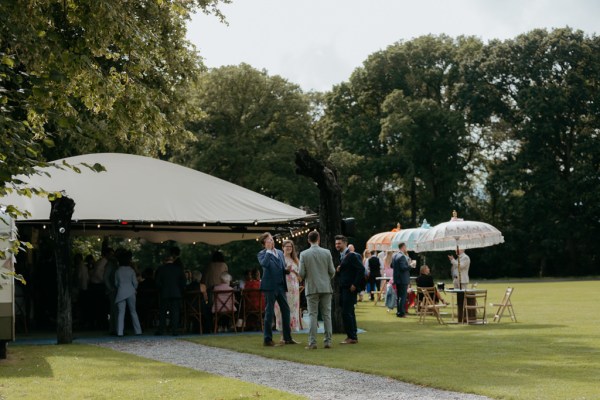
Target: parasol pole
[(458, 265)]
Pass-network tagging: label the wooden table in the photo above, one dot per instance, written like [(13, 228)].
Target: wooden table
[(460, 299)]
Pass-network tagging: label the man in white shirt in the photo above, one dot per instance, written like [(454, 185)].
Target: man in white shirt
[(465, 263)]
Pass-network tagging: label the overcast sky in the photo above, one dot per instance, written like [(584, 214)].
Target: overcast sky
[(318, 43)]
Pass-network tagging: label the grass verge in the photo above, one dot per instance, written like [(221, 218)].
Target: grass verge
[(90, 372)]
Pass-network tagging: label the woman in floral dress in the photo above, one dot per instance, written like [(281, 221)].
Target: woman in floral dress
[(293, 285)]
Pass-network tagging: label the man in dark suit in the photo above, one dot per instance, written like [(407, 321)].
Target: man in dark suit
[(401, 267), (374, 273), (274, 287), (170, 280), (351, 273)]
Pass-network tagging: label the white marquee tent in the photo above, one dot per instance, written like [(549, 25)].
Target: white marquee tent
[(156, 200)]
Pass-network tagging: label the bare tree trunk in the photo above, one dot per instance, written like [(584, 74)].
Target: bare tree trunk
[(60, 218), (330, 216)]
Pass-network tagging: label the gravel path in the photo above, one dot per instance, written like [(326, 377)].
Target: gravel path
[(314, 382)]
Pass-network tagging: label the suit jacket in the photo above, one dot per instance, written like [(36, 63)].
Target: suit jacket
[(374, 267), (273, 265), (352, 271), (316, 268), (170, 280), (401, 269), (425, 281), (125, 283)]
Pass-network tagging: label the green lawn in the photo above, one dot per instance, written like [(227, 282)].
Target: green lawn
[(553, 352), (90, 372)]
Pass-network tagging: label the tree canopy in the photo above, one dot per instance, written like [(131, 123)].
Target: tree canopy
[(93, 76), (505, 132)]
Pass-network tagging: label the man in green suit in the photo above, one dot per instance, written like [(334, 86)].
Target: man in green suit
[(316, 269)]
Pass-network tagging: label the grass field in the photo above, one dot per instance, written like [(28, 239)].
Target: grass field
[(553, 352), (89, 372)]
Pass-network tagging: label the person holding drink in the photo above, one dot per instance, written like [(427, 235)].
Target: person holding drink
[(401, 264), (274, 287)]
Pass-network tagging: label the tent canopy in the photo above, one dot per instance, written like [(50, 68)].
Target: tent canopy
[(156, 200)]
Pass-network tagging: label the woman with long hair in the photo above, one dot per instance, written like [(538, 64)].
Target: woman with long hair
[(293, 284)]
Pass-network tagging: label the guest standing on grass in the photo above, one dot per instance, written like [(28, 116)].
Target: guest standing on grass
[(293, 285), (170, 280), (125, 283), (401, 267), (316, 269), (465, 263), (351, 273), (274, 286), (374, 273)]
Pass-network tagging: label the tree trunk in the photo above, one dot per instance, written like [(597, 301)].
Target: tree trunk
[(330, 216), (60, 218)]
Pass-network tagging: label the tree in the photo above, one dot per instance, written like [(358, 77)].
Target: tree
[(402, 133), (94, 75), (252, 125), (547, 179), (100, 75)]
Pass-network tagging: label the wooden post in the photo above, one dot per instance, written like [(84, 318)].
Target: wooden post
[(60, 218), (330, 216)]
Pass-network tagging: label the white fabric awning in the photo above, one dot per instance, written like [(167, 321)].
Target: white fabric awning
[(145, 197)]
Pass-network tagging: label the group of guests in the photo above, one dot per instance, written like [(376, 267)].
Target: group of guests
[(399, 294), (316, 268), (106, 288), (115, 279)]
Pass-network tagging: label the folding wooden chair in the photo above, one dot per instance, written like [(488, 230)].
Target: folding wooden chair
[(427, 305), (192, 309), (505, 304), (224, 306), (474, 306), (252, 305)]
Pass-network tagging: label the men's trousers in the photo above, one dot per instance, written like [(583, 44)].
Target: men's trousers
[(402, 292), (280, 297), (316, 302), (348, 300)]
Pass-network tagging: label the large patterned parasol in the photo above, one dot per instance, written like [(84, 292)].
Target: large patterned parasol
[(459, 234), (410, 236), (381, 241)]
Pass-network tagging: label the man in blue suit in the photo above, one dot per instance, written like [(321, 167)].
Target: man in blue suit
[(401, 267), (274, 287)]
